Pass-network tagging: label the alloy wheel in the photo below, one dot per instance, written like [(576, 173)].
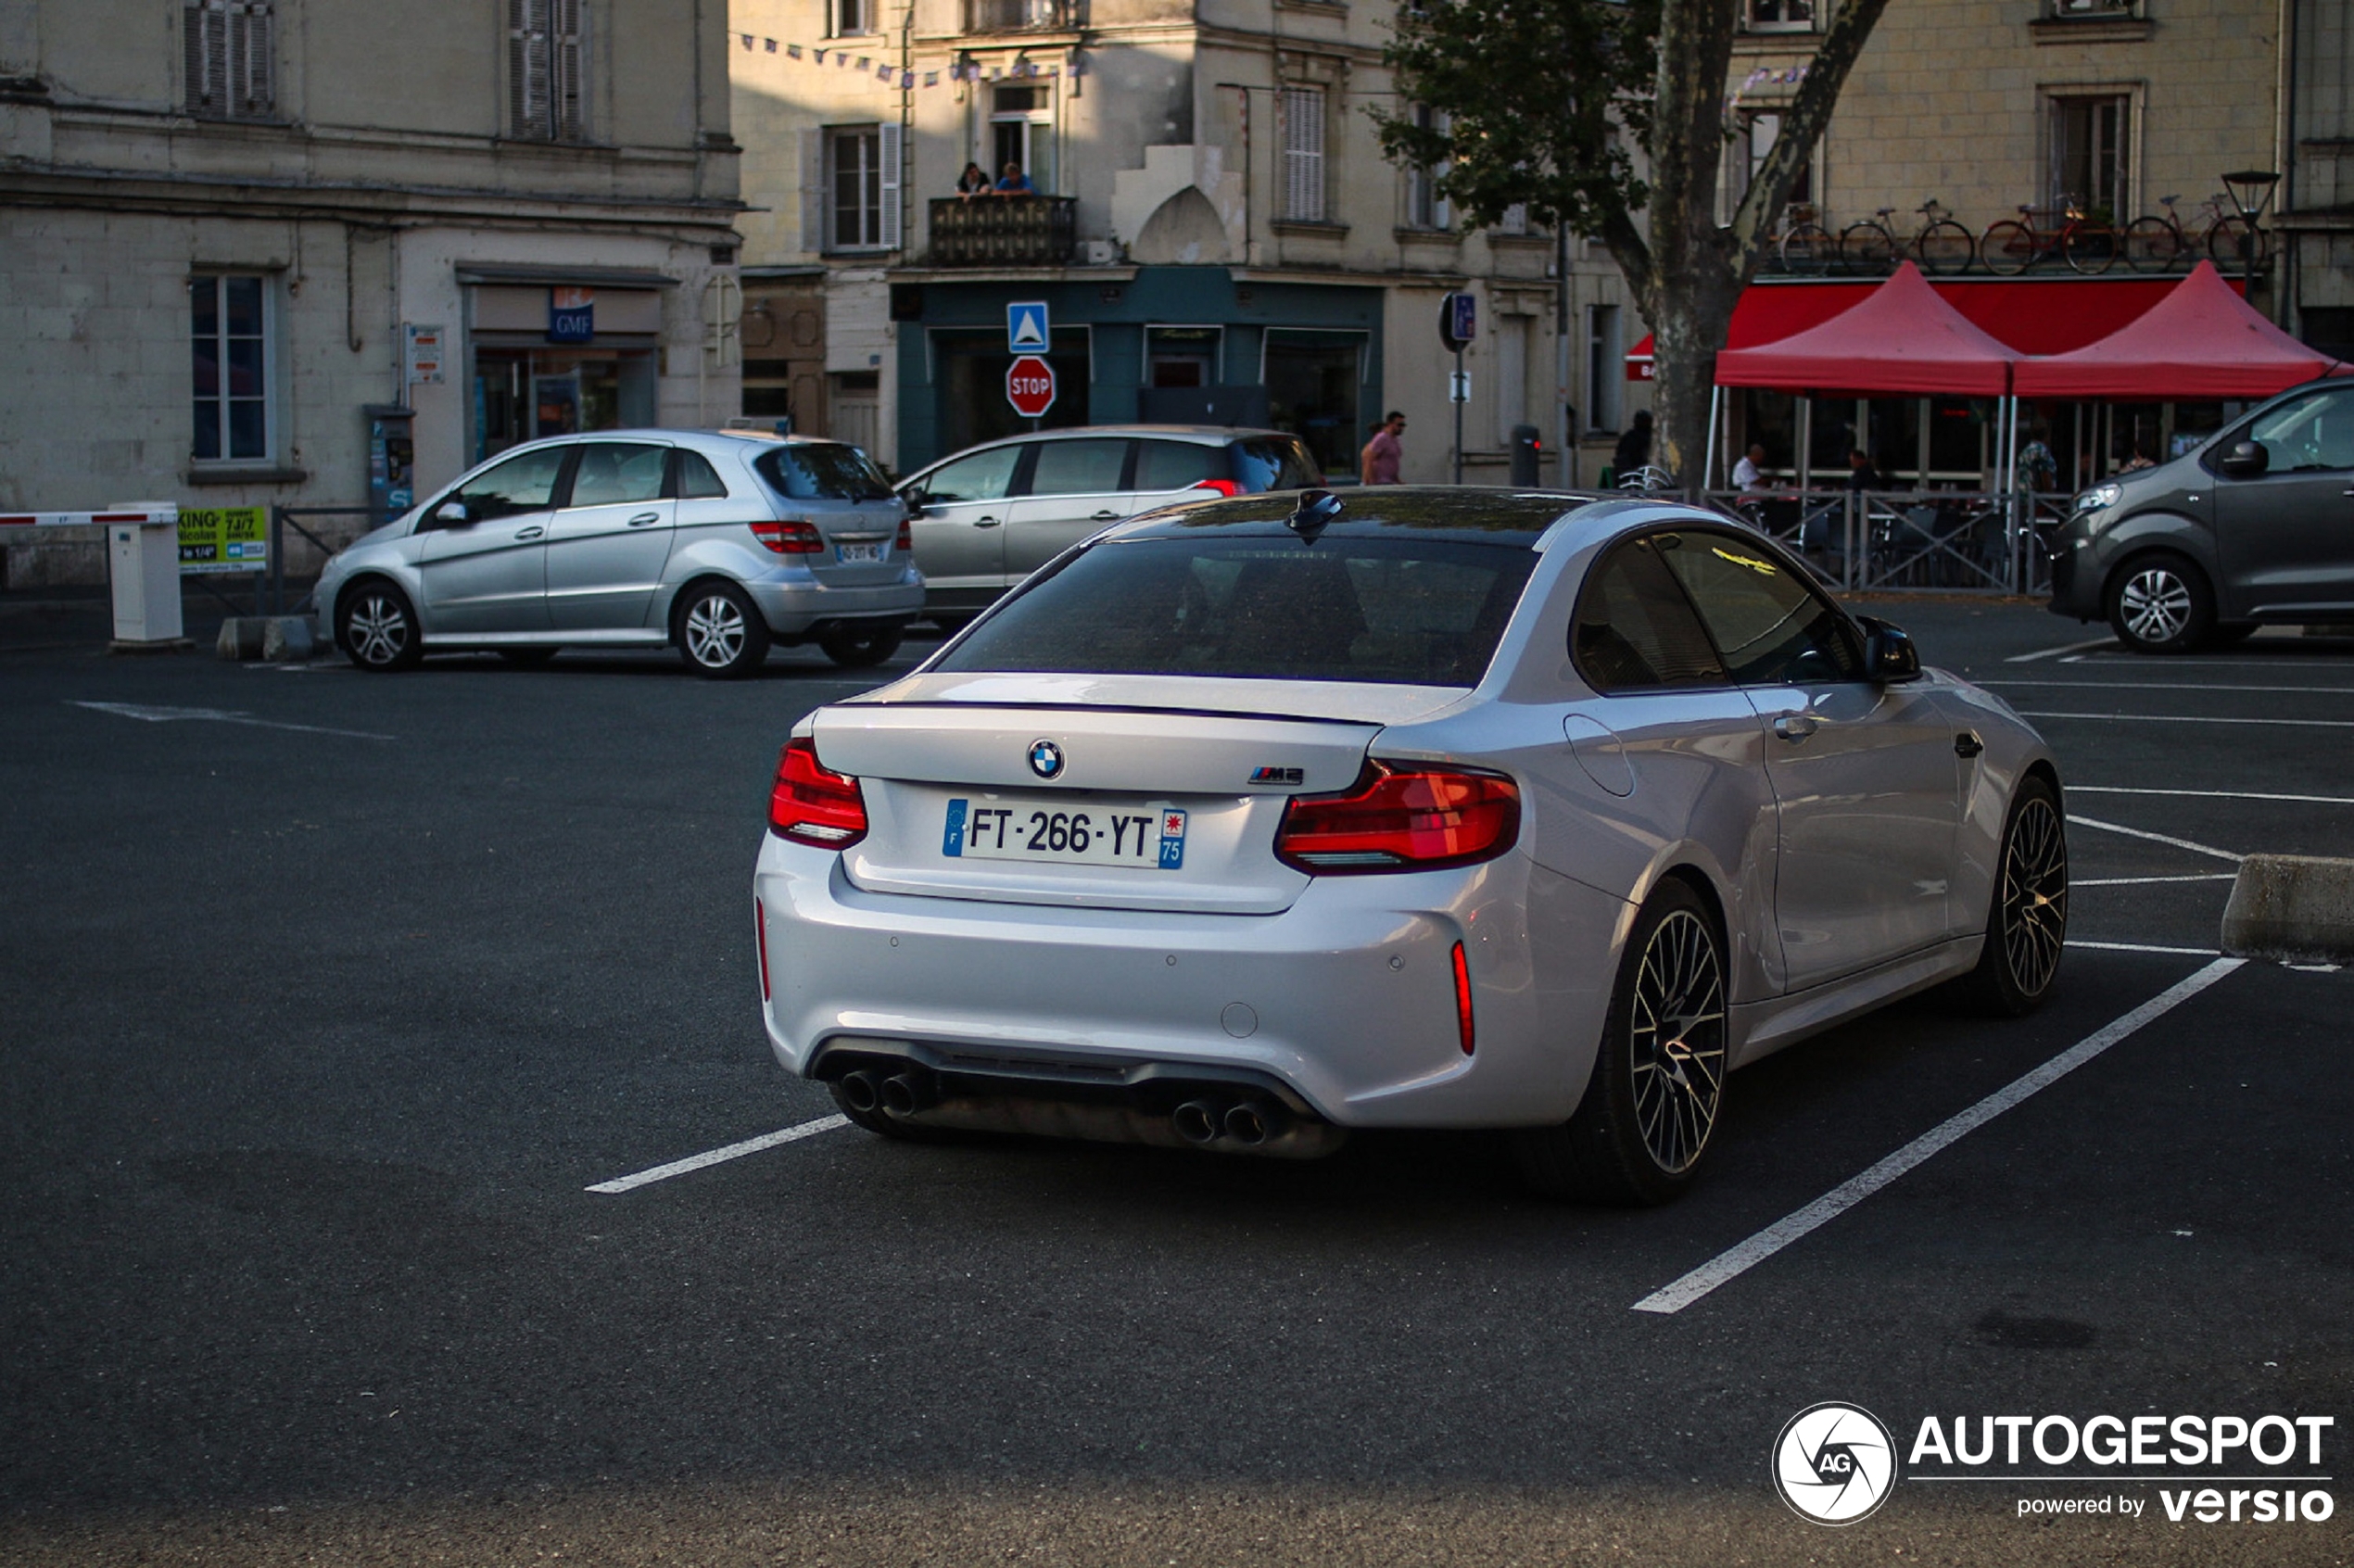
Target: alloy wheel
[(2155, 605), (2034, 895), (378, 629), (1676, 1041), (714, 631)]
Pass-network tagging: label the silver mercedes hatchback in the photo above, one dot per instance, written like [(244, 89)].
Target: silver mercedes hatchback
[(1247, 823), (719, 544)]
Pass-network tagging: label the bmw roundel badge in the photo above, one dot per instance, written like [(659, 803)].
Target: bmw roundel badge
[(1046, 759)]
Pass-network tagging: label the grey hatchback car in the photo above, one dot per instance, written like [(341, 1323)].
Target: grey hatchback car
[(2254, 527), (720, 544), (990, 515)]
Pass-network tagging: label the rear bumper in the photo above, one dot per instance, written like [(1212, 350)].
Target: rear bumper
[(794, 607), (1345, 999)]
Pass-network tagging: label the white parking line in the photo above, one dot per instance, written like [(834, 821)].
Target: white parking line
[(2143, 881), (2191, 845), (1730, 1264), (2143, 947), (2208, 794), (2194, 718), (2122, 659), (716, 1157), (217, 715), (2178, 686), (2063, 647)]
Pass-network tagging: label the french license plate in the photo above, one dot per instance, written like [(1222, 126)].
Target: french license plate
[(858, 555), (1150, 835)]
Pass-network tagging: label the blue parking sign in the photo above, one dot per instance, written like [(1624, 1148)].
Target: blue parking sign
[(1026, 328)]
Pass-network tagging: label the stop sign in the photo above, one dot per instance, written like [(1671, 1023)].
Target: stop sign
[(1029, 385)]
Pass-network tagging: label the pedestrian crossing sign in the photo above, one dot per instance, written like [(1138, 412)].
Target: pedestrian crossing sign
[(1026, 331)]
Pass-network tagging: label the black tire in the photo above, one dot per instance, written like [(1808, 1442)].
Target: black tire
[(2027, 917), (2152, 245), (1866, 250), (376, 628), (1945, 248), (2161, 603), (1806, 251), (2008, 248), (855, 647), (2090, 248), (528, 658), (1639, 1133), (2223, 244), (719, 631)]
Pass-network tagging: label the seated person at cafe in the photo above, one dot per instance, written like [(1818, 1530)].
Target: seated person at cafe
[(1750, 472)]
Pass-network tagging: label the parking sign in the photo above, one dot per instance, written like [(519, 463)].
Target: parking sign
[(1026, 328)]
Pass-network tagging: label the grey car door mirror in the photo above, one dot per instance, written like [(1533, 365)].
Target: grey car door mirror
[(2245, 459), (1889, 653), (451, 514)]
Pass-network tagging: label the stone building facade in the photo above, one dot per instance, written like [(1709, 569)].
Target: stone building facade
[(1216, 230), (250, 247)]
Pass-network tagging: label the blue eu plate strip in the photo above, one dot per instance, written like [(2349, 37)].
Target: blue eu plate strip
[(952, 842)]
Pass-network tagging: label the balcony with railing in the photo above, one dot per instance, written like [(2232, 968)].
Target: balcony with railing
[(1020, 16), (990, 231)]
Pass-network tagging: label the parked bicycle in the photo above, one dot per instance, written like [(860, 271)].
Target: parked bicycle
[(1807, 249), (1943, 248), (2155, 245), (2088, 244)]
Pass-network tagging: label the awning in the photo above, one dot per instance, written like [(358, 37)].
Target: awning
[(1901, 337), (2032, 315), (562, 277), (2202, 340)]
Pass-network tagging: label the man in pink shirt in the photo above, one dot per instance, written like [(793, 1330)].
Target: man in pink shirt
[(1377, 464)]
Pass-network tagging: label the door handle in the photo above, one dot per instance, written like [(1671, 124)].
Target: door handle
[(984, 522), (1114, 516), (645, 517), (531, 533), (1794, 727), (1966, 744)]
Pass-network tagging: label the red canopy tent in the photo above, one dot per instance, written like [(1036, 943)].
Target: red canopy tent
[(1899, 338), (2202, 340)]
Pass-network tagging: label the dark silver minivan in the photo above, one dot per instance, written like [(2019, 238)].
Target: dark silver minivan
[(2256, 527)]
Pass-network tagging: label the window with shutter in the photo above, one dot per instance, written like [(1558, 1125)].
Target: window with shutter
[(230, 56), (547, 68), (1304, 154), (889, 227), (812, 190)]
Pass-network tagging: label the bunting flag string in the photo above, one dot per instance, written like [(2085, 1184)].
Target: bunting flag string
[(890, 75)]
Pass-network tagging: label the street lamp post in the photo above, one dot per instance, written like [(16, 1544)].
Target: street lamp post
[(2251, 191)]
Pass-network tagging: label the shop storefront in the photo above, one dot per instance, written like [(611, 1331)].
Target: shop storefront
[(1132, 342), (555, 351)]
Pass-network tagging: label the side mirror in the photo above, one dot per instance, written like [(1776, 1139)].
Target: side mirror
[(451, 514), (915, 501), (2245, 459), (1889, 653)]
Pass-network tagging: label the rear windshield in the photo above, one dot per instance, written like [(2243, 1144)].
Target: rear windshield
[(816, 470), (1264, 462), (1404, 610)]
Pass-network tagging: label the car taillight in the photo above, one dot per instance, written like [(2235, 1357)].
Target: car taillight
[(906, 539), (1401, 817), (790, 539), (813, 805), (1223, 486)]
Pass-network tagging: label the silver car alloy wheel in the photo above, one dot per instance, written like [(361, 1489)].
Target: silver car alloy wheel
[(2156, 604), (378, 628), (714, 631), (2034, 896), (1677, 1041)]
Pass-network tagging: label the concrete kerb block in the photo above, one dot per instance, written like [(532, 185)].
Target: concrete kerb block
[(287, 640), (240, 637), (2294, 906)]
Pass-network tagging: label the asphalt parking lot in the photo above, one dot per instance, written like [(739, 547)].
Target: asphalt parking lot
[(328, 998)]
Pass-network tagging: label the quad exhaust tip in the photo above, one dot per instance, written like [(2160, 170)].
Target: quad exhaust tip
[(861, 1091), (905, 1094)]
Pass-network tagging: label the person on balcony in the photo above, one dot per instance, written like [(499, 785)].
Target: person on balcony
[(1014, 183), (973, 182)]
